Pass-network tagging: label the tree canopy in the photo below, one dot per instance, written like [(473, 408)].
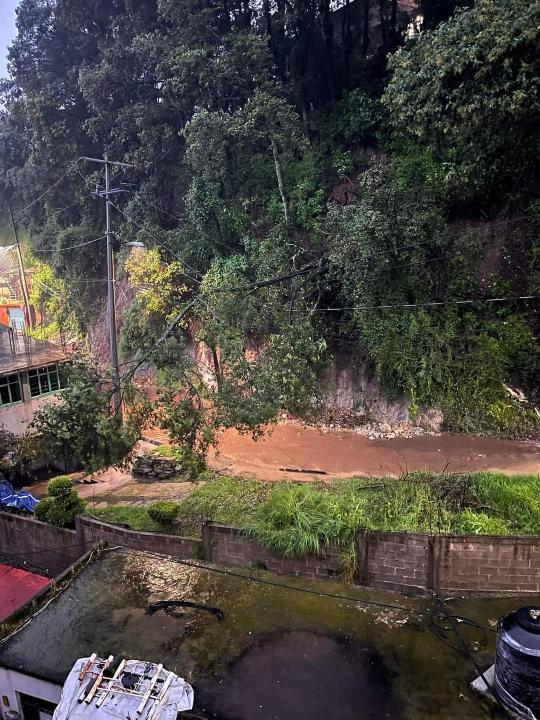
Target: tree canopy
[(307, 179)]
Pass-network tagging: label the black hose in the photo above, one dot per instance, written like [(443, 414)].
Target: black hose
[(164, 604)]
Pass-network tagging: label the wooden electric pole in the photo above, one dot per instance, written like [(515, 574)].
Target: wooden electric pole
[(111, 295)]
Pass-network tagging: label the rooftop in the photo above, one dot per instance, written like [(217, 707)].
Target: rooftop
[(274, 650), (20, 352), (16, 588)]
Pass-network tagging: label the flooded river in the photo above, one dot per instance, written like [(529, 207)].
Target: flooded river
[(343, 453)]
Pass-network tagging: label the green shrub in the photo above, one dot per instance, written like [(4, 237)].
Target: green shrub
[(63, 511), (164, 511), (62, 504), (60, 486), (41, 510)]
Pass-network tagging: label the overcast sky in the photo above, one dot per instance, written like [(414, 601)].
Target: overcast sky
[(7, 30)]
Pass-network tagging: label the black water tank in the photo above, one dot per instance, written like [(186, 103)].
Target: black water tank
[(517, 661)]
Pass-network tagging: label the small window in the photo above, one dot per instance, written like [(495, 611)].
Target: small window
[(10, 389), (44, 380)]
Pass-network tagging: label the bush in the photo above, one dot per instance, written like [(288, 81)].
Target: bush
[(60, 486), (164, 511), (41, 510), (62, 504)]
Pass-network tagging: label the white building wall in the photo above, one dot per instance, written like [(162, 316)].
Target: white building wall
[(16, 418), (13, 682)]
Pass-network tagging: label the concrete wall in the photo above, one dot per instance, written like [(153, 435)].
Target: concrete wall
[(16, 418), (90, 531), (414, 563), (13, 682), (37, 546)]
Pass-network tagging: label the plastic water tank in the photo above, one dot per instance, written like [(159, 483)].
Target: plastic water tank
[(517, 661)]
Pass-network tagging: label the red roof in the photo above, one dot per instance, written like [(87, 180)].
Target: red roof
[(16, 588)]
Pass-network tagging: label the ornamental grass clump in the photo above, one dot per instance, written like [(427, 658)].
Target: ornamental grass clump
[(299, 519)]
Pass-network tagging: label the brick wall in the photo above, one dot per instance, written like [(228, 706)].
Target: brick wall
[(487, 565), (395, 561), (36, 546), (90, 530), (405, 562), (230, 546)]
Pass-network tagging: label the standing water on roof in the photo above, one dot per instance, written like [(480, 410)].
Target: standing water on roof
[(298, 673)]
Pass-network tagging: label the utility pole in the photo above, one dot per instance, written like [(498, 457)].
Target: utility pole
[(22, 275), (111, 307)]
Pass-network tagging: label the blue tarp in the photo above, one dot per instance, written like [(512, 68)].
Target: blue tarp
[(18, 500)]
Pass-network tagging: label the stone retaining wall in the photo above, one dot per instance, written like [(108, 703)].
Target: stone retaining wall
[(413, 563)]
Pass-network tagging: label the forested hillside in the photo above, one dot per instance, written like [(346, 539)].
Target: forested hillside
[(309, 178)]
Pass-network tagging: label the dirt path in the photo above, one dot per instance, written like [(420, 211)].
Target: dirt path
[(343, 453)]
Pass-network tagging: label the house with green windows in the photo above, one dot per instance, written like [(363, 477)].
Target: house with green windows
[(30, 375)]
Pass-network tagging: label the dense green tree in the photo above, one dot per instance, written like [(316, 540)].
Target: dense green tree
[(469, 91)]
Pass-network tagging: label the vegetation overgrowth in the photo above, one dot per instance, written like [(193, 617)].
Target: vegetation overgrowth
[(62, 503), (296, 519), (307, 180)]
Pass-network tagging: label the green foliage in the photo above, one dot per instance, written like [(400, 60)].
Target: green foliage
[(301, 519), (41, 511), (62, 504), (163, 512), (136, 517), (466, 88), (79, 427), (474, 523), (516, 499), (254, 159), (224, 500), (60, 487)]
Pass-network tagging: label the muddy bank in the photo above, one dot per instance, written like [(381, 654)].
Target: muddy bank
[(344, 453)]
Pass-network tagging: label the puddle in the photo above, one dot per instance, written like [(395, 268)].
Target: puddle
[(301, 674)]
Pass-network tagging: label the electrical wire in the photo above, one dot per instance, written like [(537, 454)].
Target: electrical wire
[(417, 305), (470, 655), (72, 247), (36, 200), (283, 586), (159, 242)]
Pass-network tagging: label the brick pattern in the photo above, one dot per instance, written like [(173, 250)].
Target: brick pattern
[(90, 530), (395, 561), (488, 565), (412, 563), (231, 546), (36, 546)]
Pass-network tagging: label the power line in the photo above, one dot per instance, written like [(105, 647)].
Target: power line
[(159, 242), (418, 305), (71, 247), (55, 183)]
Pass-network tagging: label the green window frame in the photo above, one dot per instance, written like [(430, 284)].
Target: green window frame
[(10, 389), (44, 380)]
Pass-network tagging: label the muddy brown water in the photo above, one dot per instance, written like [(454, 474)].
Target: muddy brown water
[(345, 453), (302, 674)]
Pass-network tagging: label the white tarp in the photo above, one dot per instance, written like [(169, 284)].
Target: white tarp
[(178, 695)]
